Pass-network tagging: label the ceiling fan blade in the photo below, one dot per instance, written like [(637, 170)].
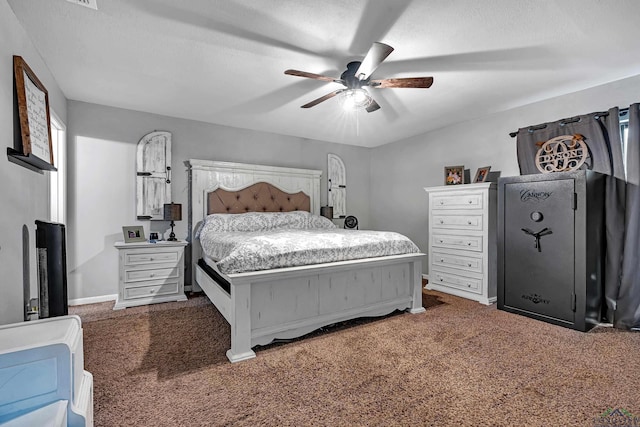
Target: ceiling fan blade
[(377, 53), (322, 99), (373, 106), (311, 76), (410, 82)]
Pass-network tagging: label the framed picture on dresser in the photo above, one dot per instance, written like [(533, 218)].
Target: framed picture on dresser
[(481, 174), (133, 233), (453, 175)]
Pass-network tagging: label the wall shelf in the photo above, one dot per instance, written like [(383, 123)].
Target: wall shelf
[(29, 161)]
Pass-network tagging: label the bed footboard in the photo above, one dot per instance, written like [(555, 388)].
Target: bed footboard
[(290, 302)]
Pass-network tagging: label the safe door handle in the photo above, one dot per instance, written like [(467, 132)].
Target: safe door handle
[(544, 232)]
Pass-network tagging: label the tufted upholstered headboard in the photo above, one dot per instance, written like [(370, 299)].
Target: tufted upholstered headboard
[(259, 197)]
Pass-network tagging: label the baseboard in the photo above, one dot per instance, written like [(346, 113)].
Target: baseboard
[(93, 300)]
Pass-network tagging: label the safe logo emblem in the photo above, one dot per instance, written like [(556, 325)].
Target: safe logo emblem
[(537, 196), (562, 153), (535, 298), (617, 417)]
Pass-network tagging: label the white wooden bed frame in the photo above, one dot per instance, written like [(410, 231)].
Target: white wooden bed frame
[(290, 302)]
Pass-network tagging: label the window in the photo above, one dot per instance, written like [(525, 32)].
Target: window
[(58, 180), (624, 134)]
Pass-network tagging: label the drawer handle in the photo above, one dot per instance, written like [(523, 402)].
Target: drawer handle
[(441, 279), (469, 244), (470, 201), (441, 259), (442, 202), (151, 291), (469, 265), (468, 285), (469, 222), (150, 258), (441, 222), (441, 241), (152, 275)]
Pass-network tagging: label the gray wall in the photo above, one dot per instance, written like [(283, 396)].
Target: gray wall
[(24, 193), (101, 179), (400, 171), (385, 183)]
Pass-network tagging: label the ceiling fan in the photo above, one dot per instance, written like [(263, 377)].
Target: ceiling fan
[(358, 75)]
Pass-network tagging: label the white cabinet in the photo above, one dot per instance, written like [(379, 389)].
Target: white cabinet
[(150, 273), (42, 376), (462, 240)]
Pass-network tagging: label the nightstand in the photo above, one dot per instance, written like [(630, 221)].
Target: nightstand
[(150, 273)]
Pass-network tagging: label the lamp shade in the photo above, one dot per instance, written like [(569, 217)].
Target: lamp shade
[(326, 211), (173, 212)]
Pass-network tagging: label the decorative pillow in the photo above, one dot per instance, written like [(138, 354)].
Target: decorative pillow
[(262, 221)]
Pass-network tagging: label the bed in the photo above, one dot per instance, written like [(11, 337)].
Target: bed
[(288, 302)]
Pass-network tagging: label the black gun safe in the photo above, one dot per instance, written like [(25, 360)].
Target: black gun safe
[(550, 247)]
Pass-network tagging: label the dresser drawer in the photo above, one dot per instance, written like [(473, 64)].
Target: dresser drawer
[(458, 222), (150, 274), (452, 241), (150, 257), (151, 290), (461, 262), (469, 284), (456, 201)]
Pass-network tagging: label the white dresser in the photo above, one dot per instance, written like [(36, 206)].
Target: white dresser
[(462, 240), (150, 273)]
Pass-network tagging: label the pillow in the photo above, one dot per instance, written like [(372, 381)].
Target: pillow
[(316, 221), (262, 221)]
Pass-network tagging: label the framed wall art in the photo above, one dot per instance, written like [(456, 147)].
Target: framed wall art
[(481, 174), (33, 113), (453, 175)]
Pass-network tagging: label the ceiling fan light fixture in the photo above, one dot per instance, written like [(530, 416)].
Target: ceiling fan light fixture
[(353, 99)]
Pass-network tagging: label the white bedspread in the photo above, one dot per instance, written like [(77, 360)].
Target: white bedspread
[(237, 252), (261, 241)]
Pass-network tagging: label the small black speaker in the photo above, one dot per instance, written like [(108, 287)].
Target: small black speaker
[(52, 269)]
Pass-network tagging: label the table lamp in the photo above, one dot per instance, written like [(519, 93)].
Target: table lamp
[(326, 211), (172, 212)]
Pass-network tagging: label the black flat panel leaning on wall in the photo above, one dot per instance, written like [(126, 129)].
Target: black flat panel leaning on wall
[(550, 247), (52, 269)]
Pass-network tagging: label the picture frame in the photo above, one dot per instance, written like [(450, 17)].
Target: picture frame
[(133, 233), (33, 112), (481, 174), (453, 175)]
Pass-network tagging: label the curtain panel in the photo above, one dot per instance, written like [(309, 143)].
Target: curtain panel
[(627, 315)]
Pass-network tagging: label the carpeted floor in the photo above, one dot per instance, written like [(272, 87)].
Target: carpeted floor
[(459, 364)]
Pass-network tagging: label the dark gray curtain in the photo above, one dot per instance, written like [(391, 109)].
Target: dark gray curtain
[(614, 211), (602, 136), (627, 315)]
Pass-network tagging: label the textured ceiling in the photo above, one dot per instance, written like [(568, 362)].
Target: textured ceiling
[(223, 61)]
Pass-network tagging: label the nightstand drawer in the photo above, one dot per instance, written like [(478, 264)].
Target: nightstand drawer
[(466, 283), (137, 257), (462, 201), (152, 290), (459, 222), (452, 241), (461, 262), (151, 274)]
